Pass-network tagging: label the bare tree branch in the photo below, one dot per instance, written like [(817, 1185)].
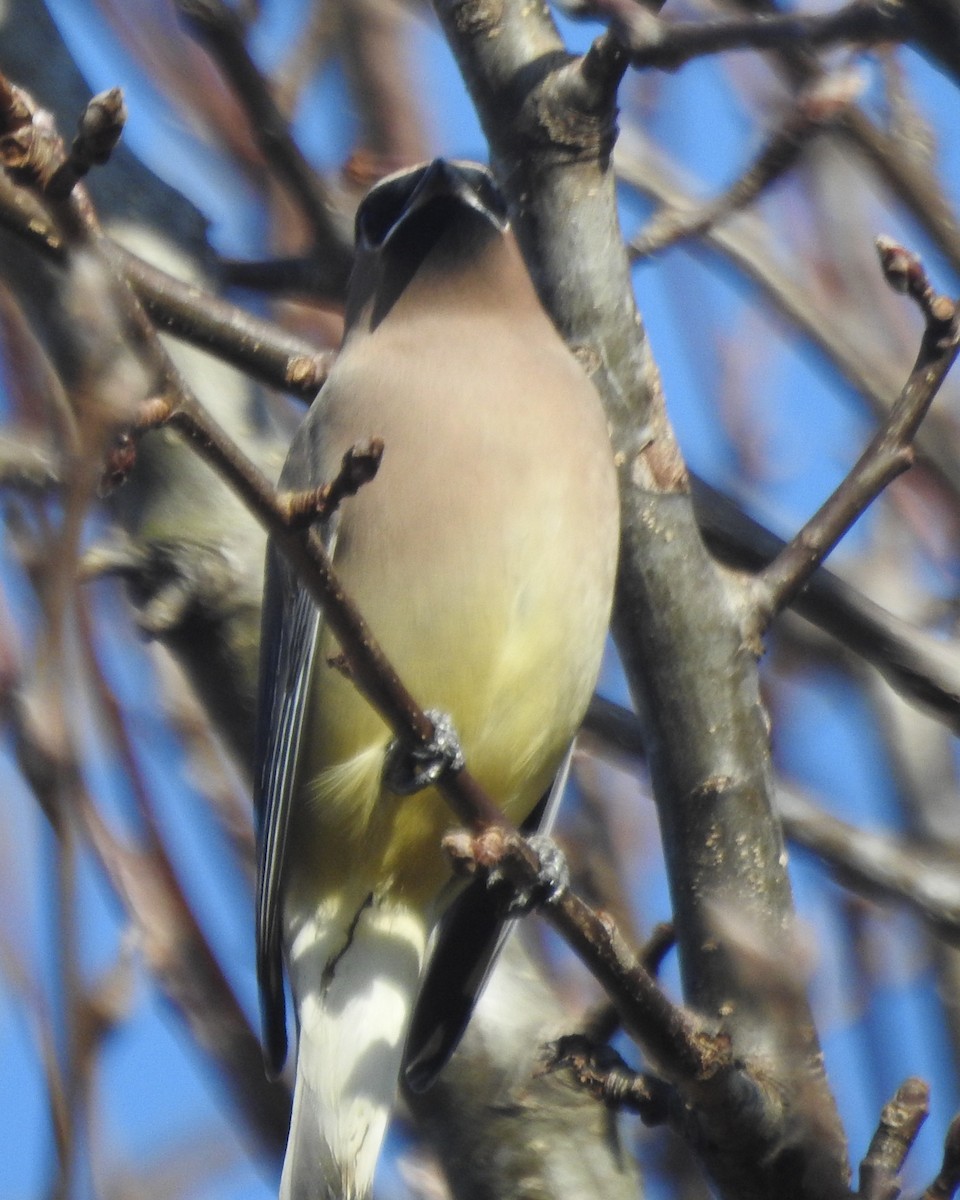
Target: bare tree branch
[(889, 453), (899, 1125), (653, 42)]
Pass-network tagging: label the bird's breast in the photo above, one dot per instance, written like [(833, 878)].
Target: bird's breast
[(482, 558)]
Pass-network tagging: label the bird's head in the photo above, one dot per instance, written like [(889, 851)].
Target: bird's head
[(437, 222)]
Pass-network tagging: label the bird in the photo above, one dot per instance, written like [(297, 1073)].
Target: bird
[(482, 556)]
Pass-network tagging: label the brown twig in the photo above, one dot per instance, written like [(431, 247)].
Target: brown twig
[(261, 348), (905, 172), (185, 310), (676, 1043), (373, 38), (899, 1125), (923, 668), (99, 130), (144, 878), (181, 957), (359, 465), (889, 453), (603, 1021), (908, 176), (921, 878), (299, 275), (181, 961), (879, 865), (41, 1019), (22, 213)]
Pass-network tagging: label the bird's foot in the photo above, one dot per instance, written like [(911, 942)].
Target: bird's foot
[(553, 877), (507, 858), (408, 769)]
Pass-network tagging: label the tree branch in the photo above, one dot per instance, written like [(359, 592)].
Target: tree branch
[(680, 643), (653, 42), (888, 454), (899, 1125)]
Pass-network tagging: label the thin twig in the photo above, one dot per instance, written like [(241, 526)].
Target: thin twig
[(889, 453), (923, 668), (602, 1071), (813, 112), (653, 42), (173, 941), (189, 312), (922, 878), (907, 175), (22, 213), (98, 133), (358, 466), (744, 243), (899, 1125), (260, 348)]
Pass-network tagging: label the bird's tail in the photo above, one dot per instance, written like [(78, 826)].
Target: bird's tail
[(354, 977)]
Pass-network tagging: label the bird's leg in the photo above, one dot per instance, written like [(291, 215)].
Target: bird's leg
[(411, 768)]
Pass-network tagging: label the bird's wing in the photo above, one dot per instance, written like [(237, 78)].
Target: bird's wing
[(465, 949), (289, 636)]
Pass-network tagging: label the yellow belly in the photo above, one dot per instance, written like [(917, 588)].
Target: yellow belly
[(515, 681)]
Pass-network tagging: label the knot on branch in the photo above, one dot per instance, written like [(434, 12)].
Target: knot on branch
[(573, 113), (358, 466), (475, 18), (32, 150), (32, 153)]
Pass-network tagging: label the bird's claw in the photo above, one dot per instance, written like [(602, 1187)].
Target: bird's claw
[(553, 877), (408, 769)]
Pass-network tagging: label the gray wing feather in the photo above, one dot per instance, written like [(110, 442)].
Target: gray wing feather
[(289, 638)]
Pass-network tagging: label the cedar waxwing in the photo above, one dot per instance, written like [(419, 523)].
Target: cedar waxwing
[(482, 555)]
